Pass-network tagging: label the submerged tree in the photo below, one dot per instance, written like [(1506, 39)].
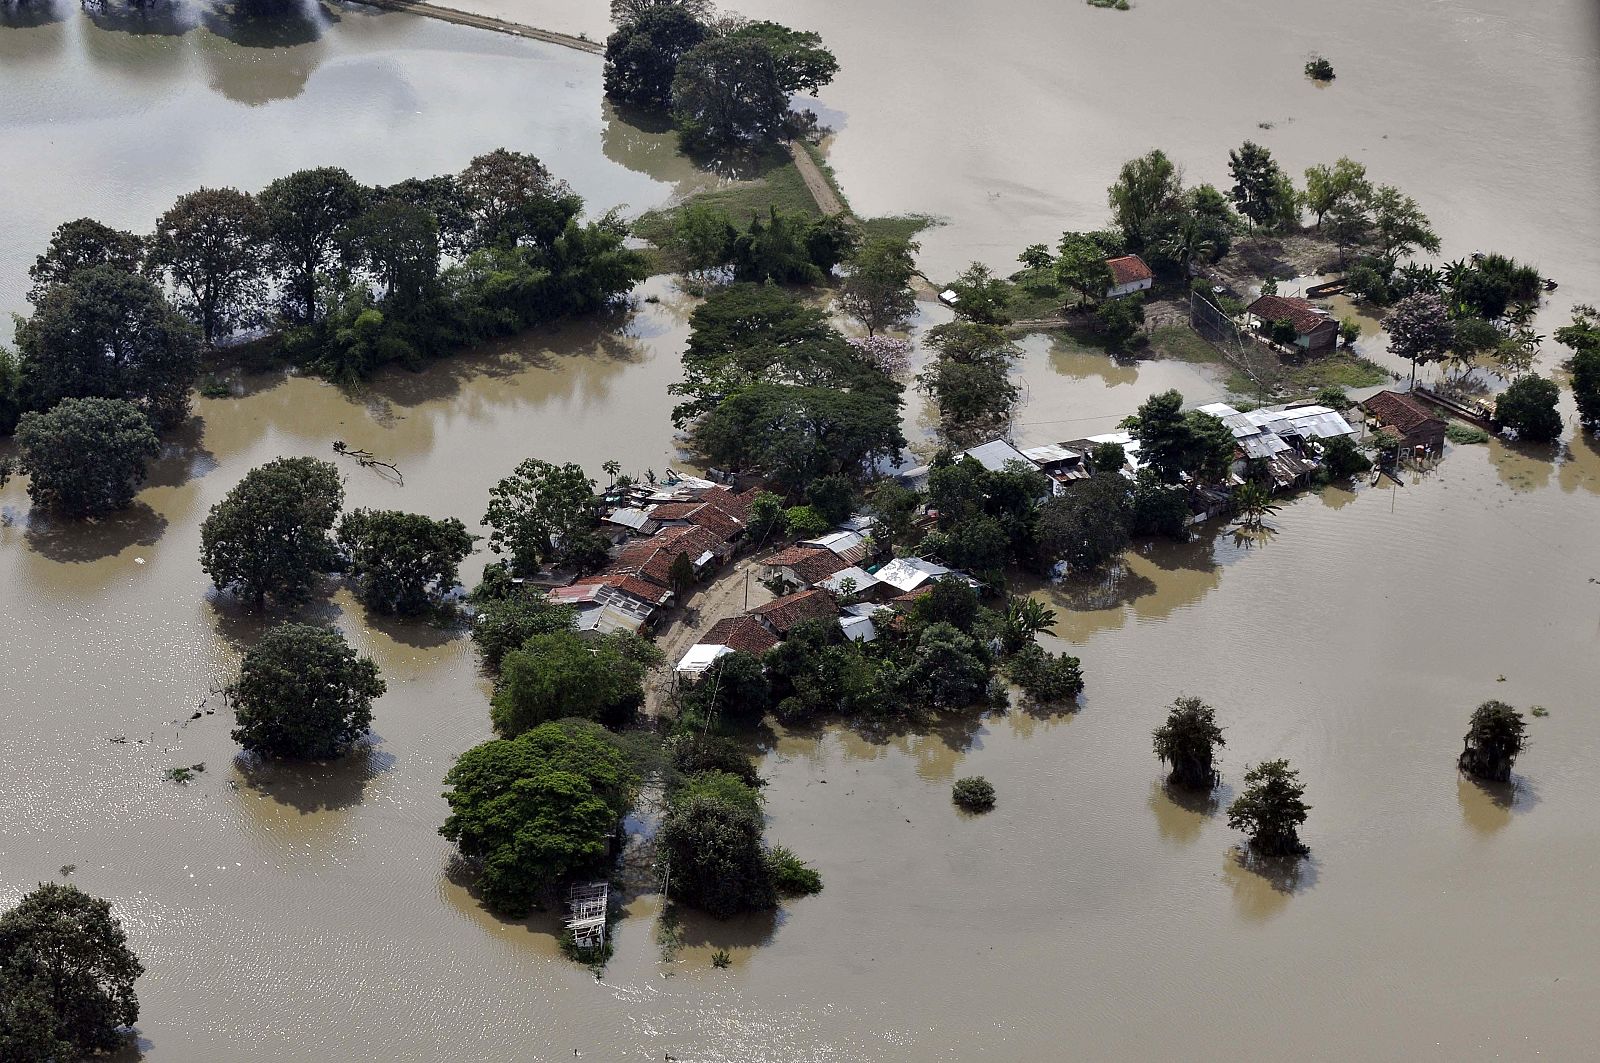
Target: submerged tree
[(79, 245), (402, 561), (1188, 742), (304, 694), (305, 215), (212, 245), (1419, 329), (642, 55), (1270, 809), (1582, 337), (539, 512), (85, 457), (1493, 741), (1147, 188), (269, 536), (877, 289), (66, 977), (1529, 406)]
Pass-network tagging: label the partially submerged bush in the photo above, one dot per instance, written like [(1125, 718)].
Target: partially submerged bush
[(973, 794), (791, 875), (1319, 69)]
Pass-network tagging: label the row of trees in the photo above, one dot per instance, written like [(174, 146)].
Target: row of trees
[(725, 81)]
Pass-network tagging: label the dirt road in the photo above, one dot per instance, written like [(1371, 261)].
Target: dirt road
[(734, 590)]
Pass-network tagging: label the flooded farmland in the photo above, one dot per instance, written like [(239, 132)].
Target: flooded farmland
[(313, 913)]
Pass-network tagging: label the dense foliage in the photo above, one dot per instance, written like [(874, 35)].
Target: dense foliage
[(504, 622), (1582, 337), (535, 810), (304, 694), (542, 514), (66, 977), (973, 793), (1187, 741), (270, 535), (1270, 809), (85, 457), (560, 675), (1494, 740), (1528, 405), (402, 562)]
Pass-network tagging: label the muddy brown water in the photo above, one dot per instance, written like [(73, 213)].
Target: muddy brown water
[(311, 914)]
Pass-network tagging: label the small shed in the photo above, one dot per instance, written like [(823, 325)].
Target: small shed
[(1407, 417), (1129, 274), (1315, 330)]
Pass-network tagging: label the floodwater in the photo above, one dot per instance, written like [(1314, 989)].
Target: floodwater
[(310, 914)]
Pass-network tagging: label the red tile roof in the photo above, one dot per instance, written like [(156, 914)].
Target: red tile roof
[(811, 564), (718, 522), (739, 633), (630, 585), (1399, 410), (1128, 269), (1302, 314), (784, 613)]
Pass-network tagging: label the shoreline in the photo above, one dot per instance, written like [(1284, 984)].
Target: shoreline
[(488, 22)]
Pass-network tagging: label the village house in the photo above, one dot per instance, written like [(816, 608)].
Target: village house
[(803, 566), (1409, 418), (742, 634), (1283, 438), (1315, 330), (850, 547), (854, 580), (780, 615), (1129, 274), (604, 608), (1059, 462)]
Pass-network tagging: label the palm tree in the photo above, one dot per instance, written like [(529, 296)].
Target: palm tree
[(611, 469), (1253, 504), (1187, 243), (1188, 742), (1025, 618)]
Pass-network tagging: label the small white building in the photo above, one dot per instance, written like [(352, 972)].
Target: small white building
[(1129, 274)]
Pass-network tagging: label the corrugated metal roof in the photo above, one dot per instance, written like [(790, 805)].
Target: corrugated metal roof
[(1050, 452), (906, 574), (995, 454)]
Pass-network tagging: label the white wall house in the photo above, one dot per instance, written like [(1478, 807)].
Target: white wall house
[(1129, 274)]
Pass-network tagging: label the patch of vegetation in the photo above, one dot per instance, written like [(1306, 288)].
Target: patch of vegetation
[(183, 776), (721, 960), (973, 794), (774, 183), (1539, 711), (897, 226), (1319, 69), (792, 876), (1462, 434), (1114, 5)]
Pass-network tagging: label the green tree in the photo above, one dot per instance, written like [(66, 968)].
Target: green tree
[(79, 245), (969, 379), (981, 297), (398, 246), (1399, 227), (1348, 224), (1146, 188), (947, 669), (1174, 443), (735, 689), (538, 512), (538, 809), (1529, 406), (501, 190), (306, 215), (703, 238), (1188, 742), (1270, 809), (696, 751), (1419, 329), (1493, 741), (1582, 337), (1081, 267), (270, 535), (682, 575), (109, 334), (877, 290), (1253, 504), (1047, 678), (66, 977), (1088, 526), (796, 434), (1329, 186), (766, 517), (503, 624), (727, 93), (1025, 618), (211, 244), (1260, 188), (642, 55), (1157, 508), (402, 561), (712, 858), (303, 694), (803, 64), (973, 794), (1120, 320), (560, 675), (85, 457)]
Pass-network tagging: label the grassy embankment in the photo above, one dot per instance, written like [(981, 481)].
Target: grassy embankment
[(1285, 381), (769, 182)]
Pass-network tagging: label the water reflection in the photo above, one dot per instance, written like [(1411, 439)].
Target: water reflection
[(160, 18), (306, 789), (1523, 466), (1580, 465), (700, 936), (1262, 885), (31, 14), (647, 143), (1488, 807), (1182, 814), (81, 542)]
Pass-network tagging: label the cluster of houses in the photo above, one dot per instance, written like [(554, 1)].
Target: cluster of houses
[(822, 579), (652, 526)]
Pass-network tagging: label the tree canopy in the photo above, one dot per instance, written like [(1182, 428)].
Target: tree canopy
[(712, 857), (1174, 443), (538, 809), (1270, 809), (504, 623), (66, 977), (85, 457), (306, 216), (877, 289), (1146, 188), (1419, 329), (269, 536), (303, 694), (733, 90), (557, 675), (642, 55), (79, 245), (1582, 337), (1493, 742), (1529, 406), (402, 561), (1188, 742), (211, 244), (540, 514), (105, 333)]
